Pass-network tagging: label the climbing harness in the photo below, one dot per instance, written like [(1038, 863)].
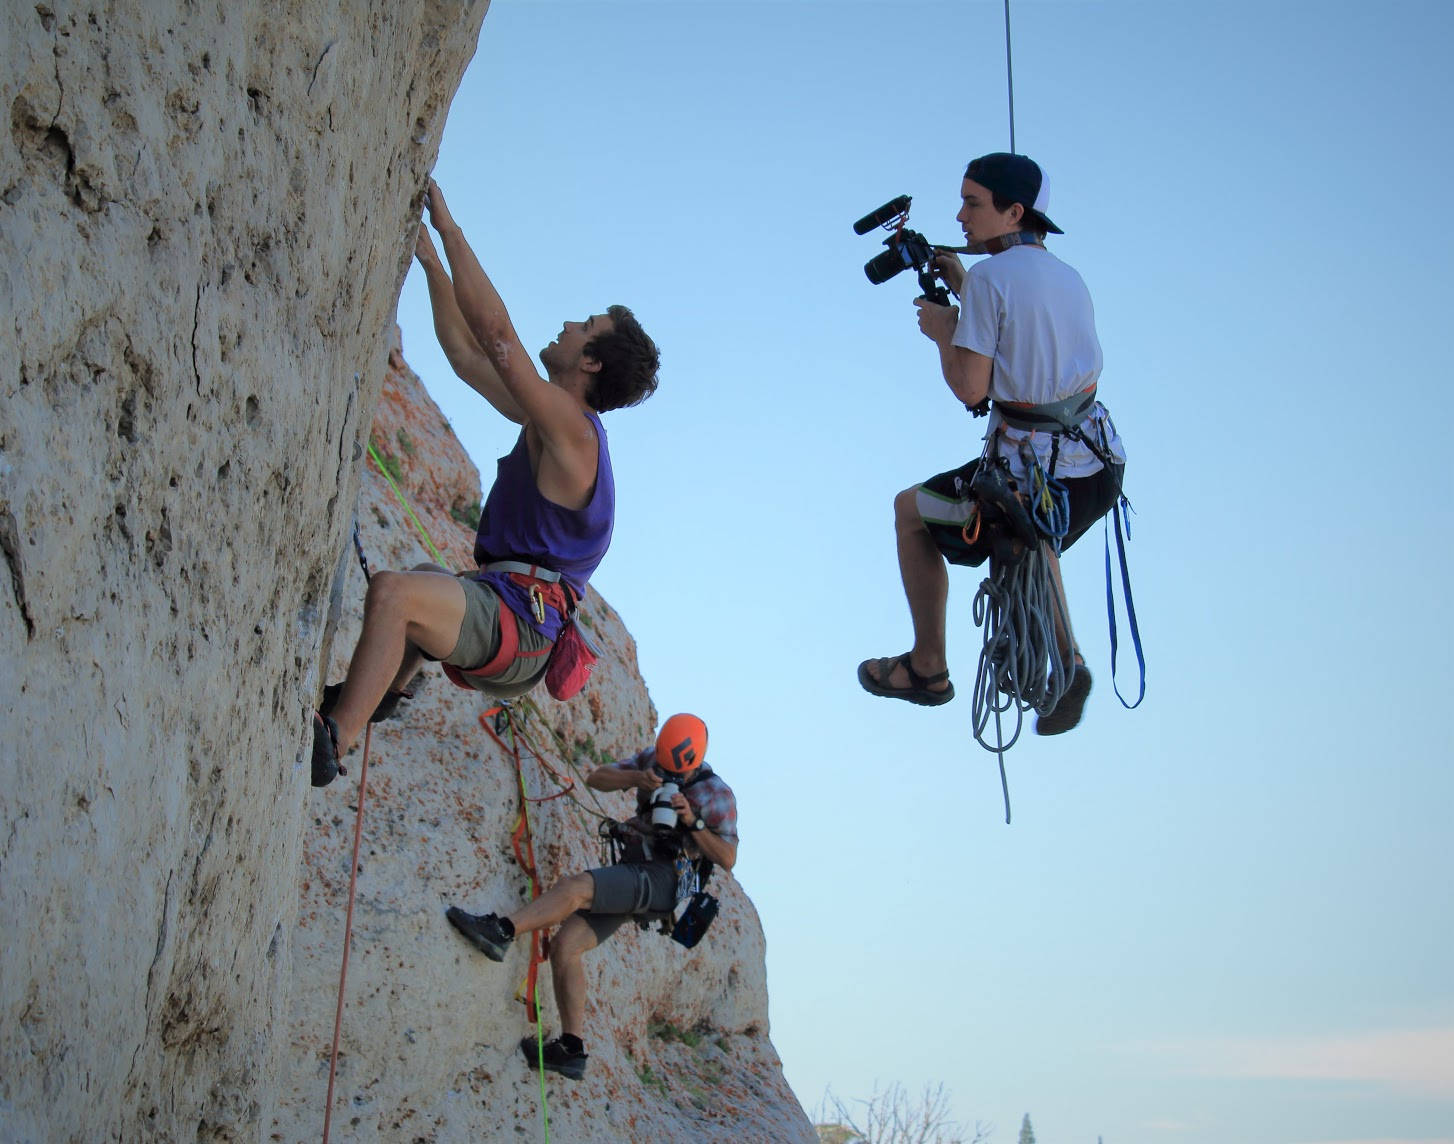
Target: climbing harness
[(570, 658)]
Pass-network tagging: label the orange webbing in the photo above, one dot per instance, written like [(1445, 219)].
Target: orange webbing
[(522, 842)]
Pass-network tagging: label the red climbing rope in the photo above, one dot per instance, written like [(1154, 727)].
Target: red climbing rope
[(363, 777), (523, 843)]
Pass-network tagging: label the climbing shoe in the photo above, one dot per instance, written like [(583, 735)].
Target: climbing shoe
[(1068, 711), (555, 1057), (386, 709), (485, 932), (325, 750)]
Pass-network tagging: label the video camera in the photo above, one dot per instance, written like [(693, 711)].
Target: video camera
[(906, 249)]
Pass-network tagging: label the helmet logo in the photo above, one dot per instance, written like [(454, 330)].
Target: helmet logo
[(684, 756)]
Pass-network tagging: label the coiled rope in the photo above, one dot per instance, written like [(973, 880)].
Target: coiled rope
[(1020, 663)]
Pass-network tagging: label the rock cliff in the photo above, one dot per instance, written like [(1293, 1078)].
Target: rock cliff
[(206, 212)]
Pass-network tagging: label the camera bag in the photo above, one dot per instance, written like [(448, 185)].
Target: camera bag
[(692, 924)]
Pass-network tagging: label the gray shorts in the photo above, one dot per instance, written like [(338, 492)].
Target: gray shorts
[(479, 641), (627, 890)]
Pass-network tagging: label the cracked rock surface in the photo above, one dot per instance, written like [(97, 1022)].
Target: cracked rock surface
[(202, 239)]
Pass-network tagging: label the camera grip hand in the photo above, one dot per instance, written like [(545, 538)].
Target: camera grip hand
[(937, 320)]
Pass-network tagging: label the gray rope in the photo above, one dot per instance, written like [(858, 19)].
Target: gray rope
[(1020, 663), (1010, 76)]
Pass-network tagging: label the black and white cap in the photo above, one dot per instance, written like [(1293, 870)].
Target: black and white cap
[(1017, 178)]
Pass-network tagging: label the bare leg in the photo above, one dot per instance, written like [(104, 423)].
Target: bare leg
[(1064, 637), (568, 975), (409, 668), (926, 586), (556, 904), (403, 611)]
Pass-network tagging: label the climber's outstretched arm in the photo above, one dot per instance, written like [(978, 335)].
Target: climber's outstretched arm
[(459, 345), (552, 410)]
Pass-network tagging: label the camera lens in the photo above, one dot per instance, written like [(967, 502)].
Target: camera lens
[(884, 266)]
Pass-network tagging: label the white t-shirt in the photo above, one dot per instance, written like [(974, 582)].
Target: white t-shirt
[(1032, 314)]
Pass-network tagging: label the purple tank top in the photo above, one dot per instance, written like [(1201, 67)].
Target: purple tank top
[(519, 524)]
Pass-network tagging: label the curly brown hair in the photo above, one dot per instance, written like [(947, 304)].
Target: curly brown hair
[(629, 361)]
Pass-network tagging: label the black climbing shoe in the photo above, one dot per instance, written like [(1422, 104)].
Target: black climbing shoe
[(386, 709), (1068, 711), (484, 932), (555, 1057), (325, 750)]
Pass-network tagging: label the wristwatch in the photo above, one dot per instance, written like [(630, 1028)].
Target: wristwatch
[(700, 824)]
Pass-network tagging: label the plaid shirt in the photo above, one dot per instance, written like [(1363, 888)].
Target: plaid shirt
[(708, 795)]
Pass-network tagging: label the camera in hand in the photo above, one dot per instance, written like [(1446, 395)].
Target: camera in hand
[(907, 250), (663, 814)]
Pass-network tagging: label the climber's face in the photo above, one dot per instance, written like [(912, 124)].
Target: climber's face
[(568, 351)]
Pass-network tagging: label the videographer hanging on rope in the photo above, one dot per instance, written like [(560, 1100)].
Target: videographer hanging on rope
[(546, 523), (1024, 337), (685, 823)]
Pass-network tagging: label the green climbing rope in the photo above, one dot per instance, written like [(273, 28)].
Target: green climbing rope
[(429, 544)]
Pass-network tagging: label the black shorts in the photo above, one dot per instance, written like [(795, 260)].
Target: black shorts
[(627, 890), (944, 506)]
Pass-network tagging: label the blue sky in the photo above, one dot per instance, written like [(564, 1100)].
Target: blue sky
[(1223, 916)]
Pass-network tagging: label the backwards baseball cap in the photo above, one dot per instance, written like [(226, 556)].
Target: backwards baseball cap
[(1017, 178)]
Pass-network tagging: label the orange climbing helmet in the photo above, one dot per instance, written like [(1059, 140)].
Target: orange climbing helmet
[(681, 747)]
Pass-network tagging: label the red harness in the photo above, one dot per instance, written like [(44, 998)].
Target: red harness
[(543, 594)]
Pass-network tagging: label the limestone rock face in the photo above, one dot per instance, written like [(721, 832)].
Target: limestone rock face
[(206, 212), (678, 1039)]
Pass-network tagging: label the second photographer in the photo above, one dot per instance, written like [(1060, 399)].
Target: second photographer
[(684, 814)]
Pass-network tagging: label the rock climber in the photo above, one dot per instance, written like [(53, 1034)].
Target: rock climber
[(1025, 337), (546, 523), (655, 870)]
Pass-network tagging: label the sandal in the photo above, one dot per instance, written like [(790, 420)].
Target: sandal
[(918, 690)]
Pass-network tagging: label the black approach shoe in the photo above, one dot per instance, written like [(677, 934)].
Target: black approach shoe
[(325, 750), (484, 932), (555, 1058), (387, 708), (1068, 711)]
